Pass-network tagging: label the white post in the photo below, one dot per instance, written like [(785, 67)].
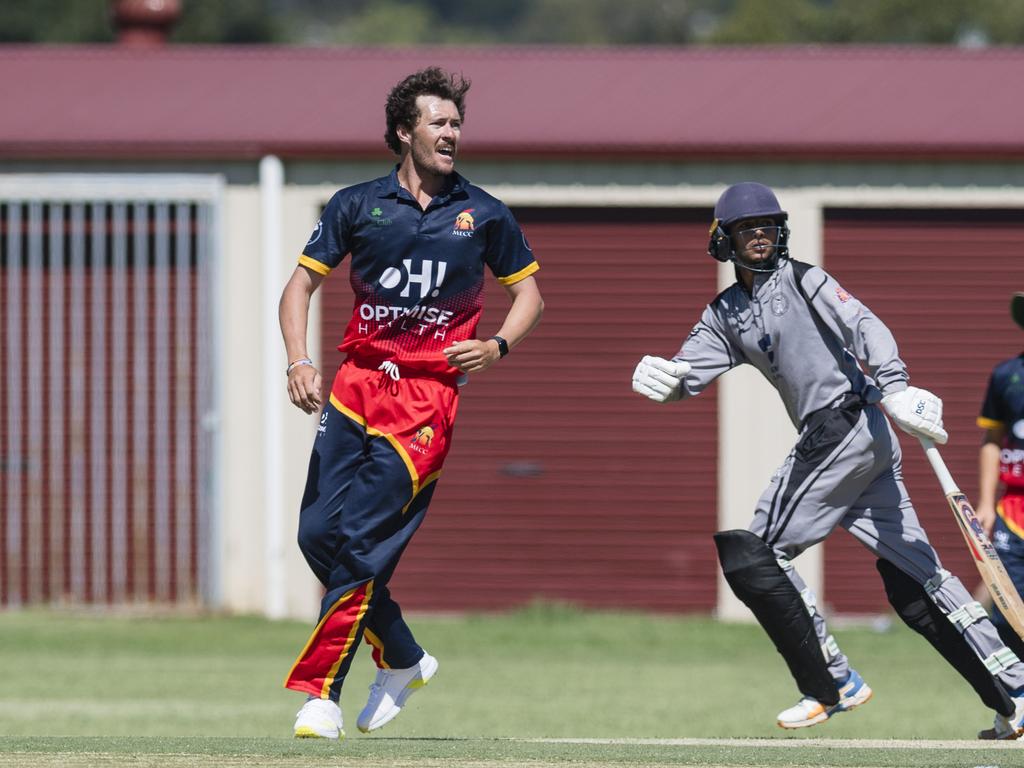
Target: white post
[(274, 573)]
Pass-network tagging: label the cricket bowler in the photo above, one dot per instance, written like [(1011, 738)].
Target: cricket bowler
[(421, 240)]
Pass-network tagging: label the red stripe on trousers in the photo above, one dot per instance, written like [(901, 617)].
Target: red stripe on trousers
[(331, 641)]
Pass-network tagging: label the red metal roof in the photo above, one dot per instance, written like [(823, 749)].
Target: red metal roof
[(235, 102)]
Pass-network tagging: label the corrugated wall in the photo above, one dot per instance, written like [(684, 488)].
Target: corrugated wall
[(941, 280), (562, 484)]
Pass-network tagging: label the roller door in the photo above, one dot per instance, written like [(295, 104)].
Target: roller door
[(941, 280), (562, 484)]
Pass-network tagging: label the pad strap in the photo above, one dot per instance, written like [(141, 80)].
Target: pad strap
[(932, 585), (999, 660), (830, 648), (966, 615)]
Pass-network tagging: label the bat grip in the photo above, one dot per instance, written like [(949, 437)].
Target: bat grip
[(938, 466)]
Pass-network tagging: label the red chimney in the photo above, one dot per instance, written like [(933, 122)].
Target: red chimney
[(144, 22)]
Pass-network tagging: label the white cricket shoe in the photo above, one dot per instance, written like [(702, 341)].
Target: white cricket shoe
[(1007, 728), (390, 690), (319, 719), (806, 712)]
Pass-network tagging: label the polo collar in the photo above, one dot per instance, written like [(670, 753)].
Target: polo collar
[(391, 187)]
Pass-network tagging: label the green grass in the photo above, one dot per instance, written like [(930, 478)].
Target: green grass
[(92, 689)]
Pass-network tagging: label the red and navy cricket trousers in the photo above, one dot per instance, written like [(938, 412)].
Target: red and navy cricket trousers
[(1008, 539), (376, 458)]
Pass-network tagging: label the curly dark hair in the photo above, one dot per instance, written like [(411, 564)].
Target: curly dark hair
[(401, 108)]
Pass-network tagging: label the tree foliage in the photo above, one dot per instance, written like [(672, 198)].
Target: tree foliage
[(55, 21), (907, 22), (565, 22), (230, 21)]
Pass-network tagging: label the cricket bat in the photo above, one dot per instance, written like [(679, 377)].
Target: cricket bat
[(986, 559)]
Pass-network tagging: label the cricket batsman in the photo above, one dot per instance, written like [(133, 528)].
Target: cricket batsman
[(838, 371)]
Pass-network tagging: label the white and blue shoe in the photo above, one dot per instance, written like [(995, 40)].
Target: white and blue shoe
[(1007, 728), (852, 693)]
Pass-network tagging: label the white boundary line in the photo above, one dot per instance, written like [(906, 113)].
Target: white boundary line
[(791, 743)]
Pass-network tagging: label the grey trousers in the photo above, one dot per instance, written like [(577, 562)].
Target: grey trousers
[(846, 470)]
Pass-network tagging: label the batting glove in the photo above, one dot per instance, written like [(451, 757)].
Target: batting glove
[(917, 412), (659, 379)]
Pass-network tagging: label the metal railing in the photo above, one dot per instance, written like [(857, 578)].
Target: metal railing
[(106, 340)]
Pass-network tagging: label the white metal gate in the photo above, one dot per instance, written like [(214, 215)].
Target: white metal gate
[(107, 398)]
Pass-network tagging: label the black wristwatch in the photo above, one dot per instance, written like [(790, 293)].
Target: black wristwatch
[(502, 345)]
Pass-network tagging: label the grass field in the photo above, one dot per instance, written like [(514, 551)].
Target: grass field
[(544, 686)]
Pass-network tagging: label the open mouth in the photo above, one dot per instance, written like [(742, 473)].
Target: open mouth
[(446, 151)]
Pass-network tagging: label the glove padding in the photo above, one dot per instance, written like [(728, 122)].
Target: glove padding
[(917, 412), (659, 379)]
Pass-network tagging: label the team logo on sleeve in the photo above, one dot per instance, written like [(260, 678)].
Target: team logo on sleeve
[(464, 224), (842, 295), (317, 231)]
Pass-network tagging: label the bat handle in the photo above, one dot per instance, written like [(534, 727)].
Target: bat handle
[(939, 466)]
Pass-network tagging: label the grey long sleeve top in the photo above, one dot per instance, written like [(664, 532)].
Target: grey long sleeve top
[(810, 357)]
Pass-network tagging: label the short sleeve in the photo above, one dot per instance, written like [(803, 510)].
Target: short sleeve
[(508, 254), (991, 415), (328, 243)]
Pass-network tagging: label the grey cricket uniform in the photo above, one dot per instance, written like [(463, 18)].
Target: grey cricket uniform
[(846, 468)]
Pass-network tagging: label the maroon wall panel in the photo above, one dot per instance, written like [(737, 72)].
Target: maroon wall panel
[(941, 281), (562, 484)]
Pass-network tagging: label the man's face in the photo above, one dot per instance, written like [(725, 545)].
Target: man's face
[(754, 240), (434, 140)]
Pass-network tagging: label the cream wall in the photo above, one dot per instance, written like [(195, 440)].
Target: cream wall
[(246, 563), (241, 502)]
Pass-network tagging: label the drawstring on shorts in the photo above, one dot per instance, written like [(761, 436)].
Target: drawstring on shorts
[(389, 376)]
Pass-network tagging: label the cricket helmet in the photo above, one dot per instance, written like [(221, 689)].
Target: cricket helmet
[(747, 200)]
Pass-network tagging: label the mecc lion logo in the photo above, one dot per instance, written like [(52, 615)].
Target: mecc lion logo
[(464, 224)]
